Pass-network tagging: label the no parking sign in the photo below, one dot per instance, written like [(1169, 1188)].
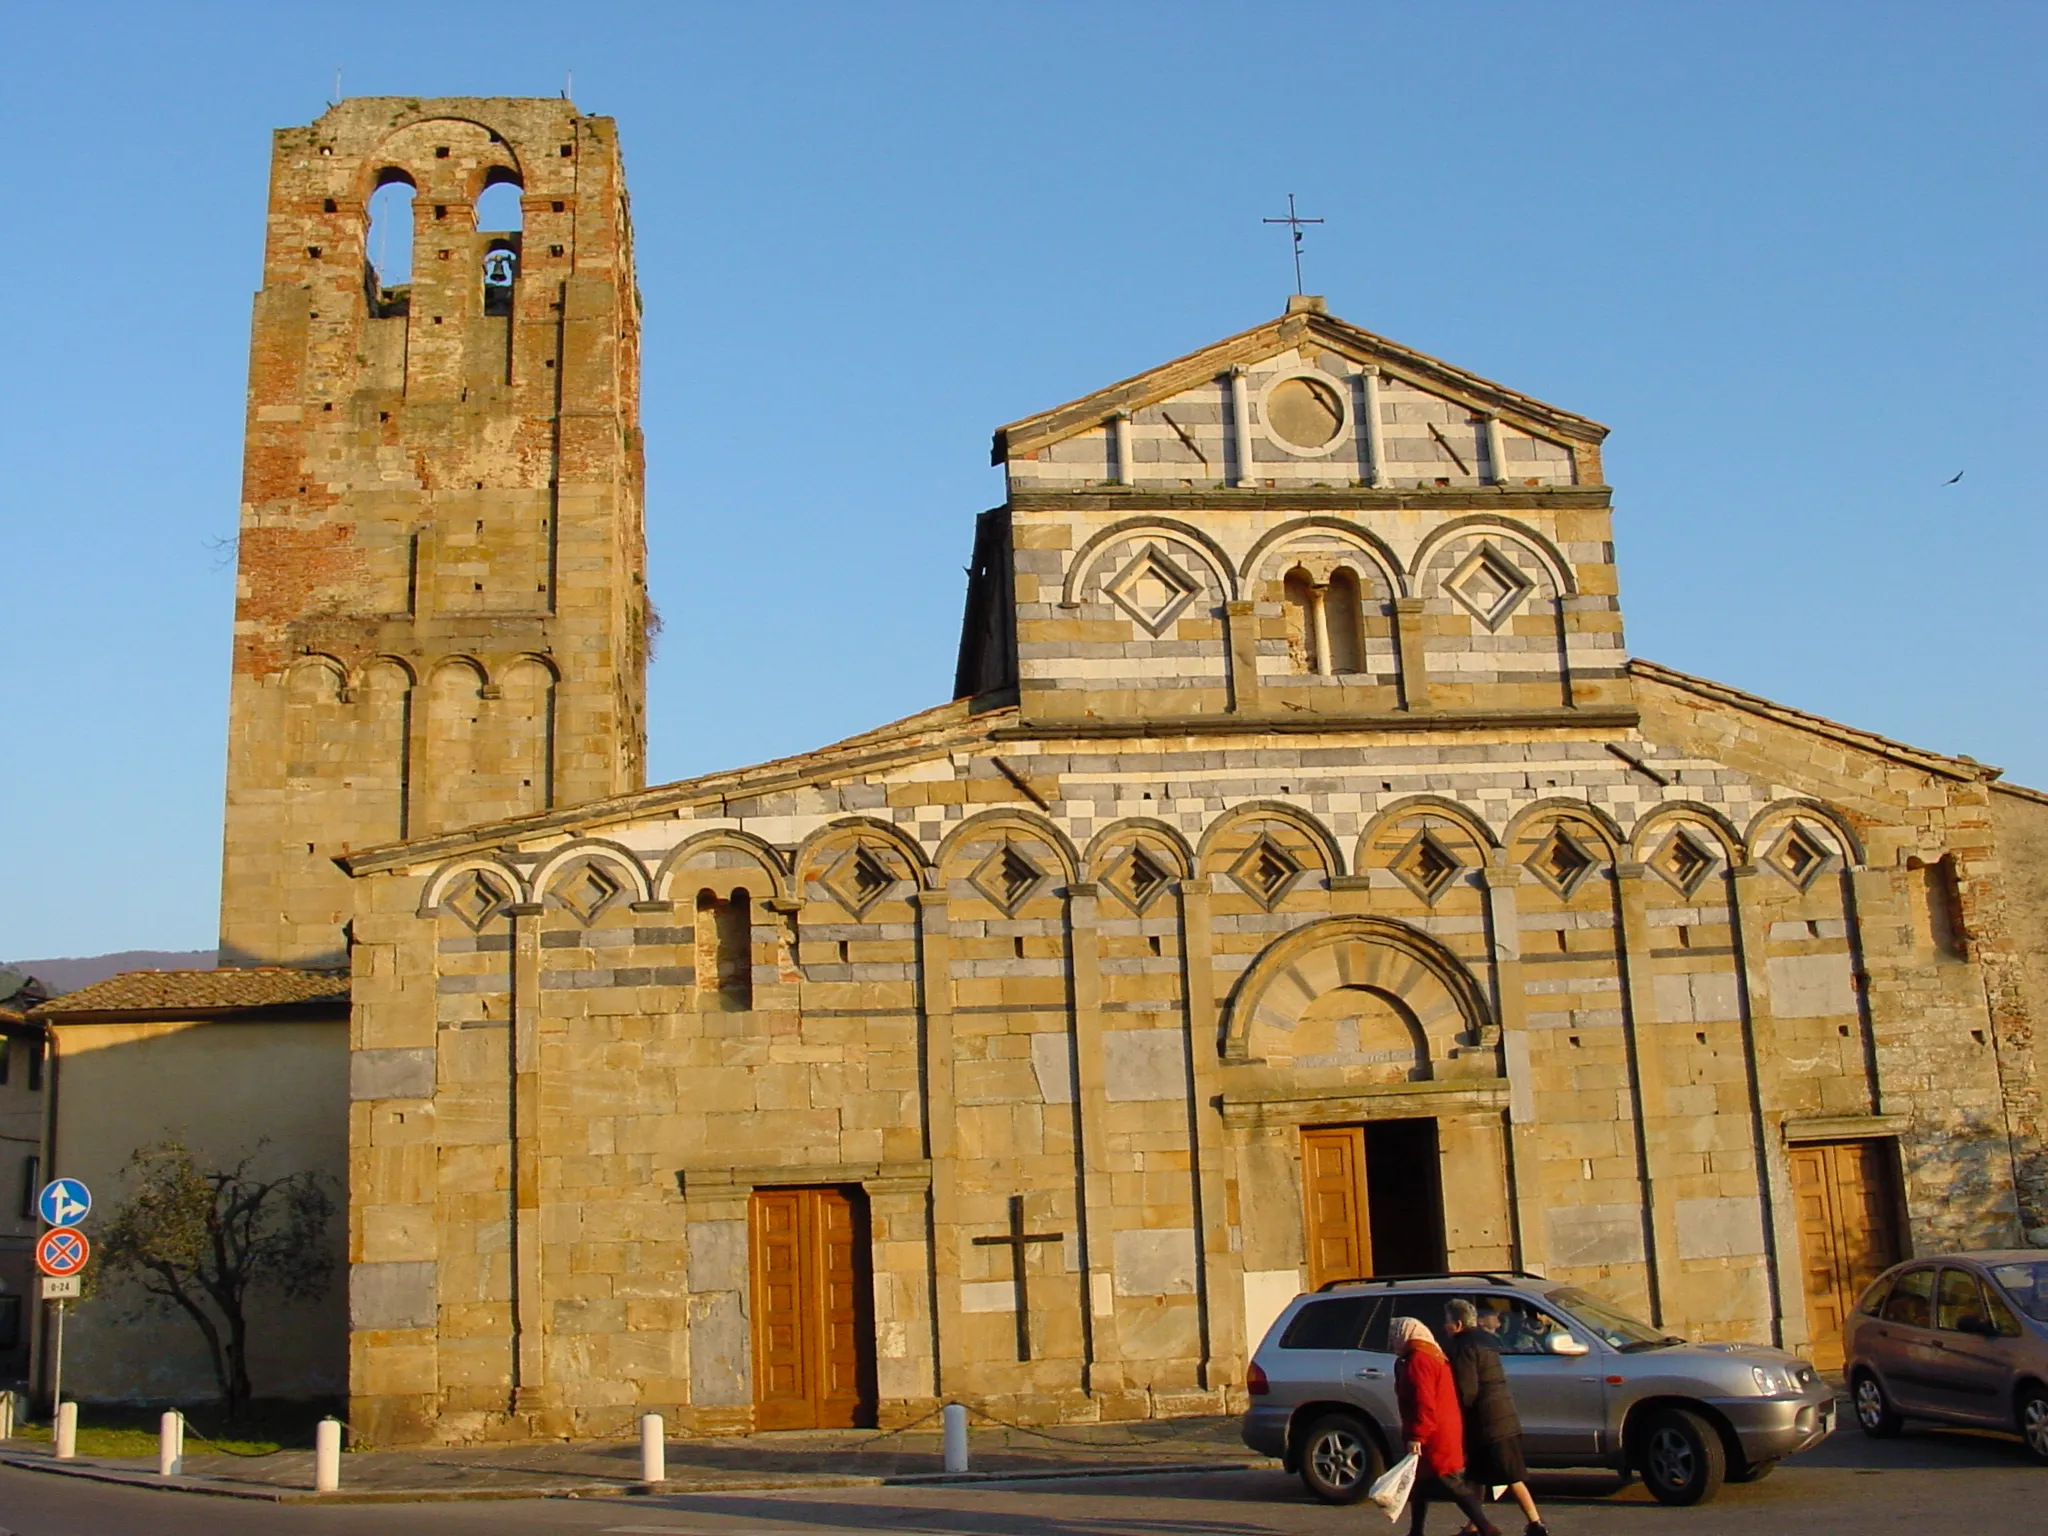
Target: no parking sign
[(62, 1251)]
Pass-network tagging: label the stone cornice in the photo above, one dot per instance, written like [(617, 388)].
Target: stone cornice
[(1466, 499)]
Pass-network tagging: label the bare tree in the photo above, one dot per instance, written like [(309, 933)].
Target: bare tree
[(202, 1242)]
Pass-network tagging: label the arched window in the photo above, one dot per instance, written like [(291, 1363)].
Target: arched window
[(1344, 616), (499, 219), (388, 244), (1300, 598), (725, 951), (497, 209)]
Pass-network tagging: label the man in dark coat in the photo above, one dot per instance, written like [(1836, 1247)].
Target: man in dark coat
[(1493, 1430)]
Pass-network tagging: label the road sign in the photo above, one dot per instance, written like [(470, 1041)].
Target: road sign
[(64, 1202), (61, 1287), (62, 1251)]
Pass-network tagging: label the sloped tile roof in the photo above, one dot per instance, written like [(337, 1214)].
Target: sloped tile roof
[(230, 987)]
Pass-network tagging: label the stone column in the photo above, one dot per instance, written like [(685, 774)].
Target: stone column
[(1646, 1049), (1120, 446), (1496, 451), (529, 1377), (1375, 445), (1220, 1271), (1767, 1109), (1525, 1150), (1319, 618), (1241, 626), (1241, 426), (1408, 642), (935, 980), (1100, 1371)]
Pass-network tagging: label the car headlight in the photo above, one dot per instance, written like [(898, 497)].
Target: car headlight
[(1774, 1380)]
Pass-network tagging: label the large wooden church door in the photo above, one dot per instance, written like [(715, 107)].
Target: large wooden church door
[(813, 1323), (1338, 1227), (1847, 1202)]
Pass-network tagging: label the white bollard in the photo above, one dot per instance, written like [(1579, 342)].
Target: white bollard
[(653, 1449), (956, 1437), (6, 1415), (170, 1445), (327, 1456), (67, 1431)]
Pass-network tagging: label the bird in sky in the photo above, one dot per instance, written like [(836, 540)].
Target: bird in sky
[(1955, 477)]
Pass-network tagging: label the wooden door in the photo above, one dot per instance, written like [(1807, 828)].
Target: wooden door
[(813, 1331), (1846, 1202), (1334, 1212)]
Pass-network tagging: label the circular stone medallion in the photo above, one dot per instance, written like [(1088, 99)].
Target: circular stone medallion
[(1304, 413)]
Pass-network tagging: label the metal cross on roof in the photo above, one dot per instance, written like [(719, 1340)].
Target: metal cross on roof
[(1294, 221)]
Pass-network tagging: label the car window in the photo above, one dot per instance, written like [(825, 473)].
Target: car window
[(1616, 1327), (1959, 1303), (1427, 1307), (2002, 1319), (1517, 1325), (2026, 1283), (1872, 1304), (1338, 1323), (1912, 1299)]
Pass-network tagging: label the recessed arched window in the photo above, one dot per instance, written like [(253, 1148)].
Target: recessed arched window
[(1300, 595), (1344, 618), (725, 951), (388, 243)]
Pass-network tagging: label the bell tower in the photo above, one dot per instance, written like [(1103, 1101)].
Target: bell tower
[(440, 613)]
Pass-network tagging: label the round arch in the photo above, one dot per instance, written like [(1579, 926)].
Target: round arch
[(988, 821), (1547, 554), (758, 853), (1374, 549), (593, 850), (1084, 558), (864, 826), (1377, 953), (1278, 810)]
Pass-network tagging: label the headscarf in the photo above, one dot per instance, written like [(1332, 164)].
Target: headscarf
[(1405, 1332)]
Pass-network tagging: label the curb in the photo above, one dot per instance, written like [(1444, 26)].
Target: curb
[(218, 1488)]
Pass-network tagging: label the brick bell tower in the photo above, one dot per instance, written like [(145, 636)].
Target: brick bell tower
[(441, 614)]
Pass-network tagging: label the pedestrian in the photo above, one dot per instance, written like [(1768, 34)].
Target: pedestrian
[(1493, 1430), (1431, 1424)]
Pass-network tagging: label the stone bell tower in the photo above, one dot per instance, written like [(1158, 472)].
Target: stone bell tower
[(441, 613)]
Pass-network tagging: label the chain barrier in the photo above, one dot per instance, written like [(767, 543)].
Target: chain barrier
[(1159, 1438)]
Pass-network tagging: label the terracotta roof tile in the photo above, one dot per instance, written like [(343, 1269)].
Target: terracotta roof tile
[(200, 991)]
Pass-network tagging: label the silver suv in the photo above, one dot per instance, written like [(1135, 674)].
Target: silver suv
[(1959, 1340), (1594, 1387)]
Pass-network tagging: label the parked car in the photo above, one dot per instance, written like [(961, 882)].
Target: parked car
[(1957, 1339), (1594, 1387)]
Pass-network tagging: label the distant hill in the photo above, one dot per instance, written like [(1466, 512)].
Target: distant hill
[(69, 973)]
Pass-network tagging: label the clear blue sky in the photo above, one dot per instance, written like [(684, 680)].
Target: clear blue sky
[(1791, 253)]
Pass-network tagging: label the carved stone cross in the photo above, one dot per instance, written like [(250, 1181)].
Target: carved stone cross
[(1015, 1241)]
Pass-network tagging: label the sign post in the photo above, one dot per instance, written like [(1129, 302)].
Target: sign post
[(61, 1255)]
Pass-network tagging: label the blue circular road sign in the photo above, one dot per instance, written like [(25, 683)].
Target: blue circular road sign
[(64, 1202)]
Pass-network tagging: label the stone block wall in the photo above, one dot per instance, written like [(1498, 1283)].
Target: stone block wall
[(1623, 974)]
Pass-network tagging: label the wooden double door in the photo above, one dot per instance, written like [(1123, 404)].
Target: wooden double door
[(1846, 1197), (814, 1357)]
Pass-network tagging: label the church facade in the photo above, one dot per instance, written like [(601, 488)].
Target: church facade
[(1304, 883)]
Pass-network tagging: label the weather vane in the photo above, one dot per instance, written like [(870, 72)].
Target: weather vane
[(1294, 221)]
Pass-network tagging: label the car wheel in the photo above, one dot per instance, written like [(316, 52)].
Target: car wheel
[(1681, 1457), (2033, 1420), (1875, 1415), (1340, 1460), (1751, 1471)]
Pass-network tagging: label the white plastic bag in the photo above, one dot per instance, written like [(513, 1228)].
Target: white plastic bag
[(1394, 1485)]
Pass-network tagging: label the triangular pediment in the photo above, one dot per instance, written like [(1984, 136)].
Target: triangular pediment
[(1305, 383)]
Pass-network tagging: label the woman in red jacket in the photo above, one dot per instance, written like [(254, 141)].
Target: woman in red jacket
[(1432, 1425)]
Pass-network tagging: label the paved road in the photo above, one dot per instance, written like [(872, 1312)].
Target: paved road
[(1929, 1484)]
